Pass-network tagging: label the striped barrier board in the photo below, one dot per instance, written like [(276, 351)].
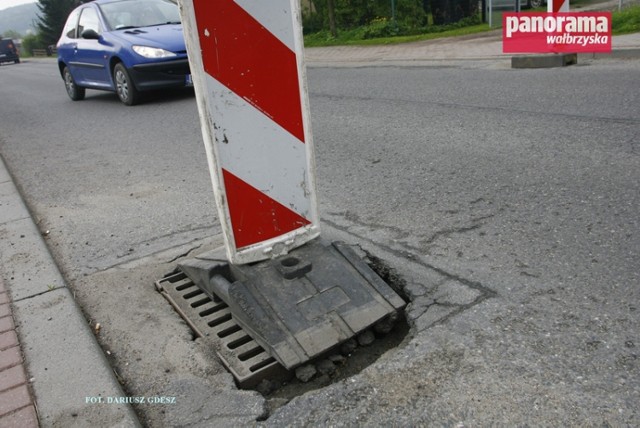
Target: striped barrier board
[(246, 59), (555, 6)]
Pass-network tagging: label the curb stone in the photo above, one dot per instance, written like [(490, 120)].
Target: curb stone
[(62, 359)]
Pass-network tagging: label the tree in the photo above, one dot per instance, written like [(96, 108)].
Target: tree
[(331, 10), (449, 11), (336, 15), (52, 17), (11, 34), (31, 42)]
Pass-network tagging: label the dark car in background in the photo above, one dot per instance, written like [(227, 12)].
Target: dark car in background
[(8, 51), (124, 46)]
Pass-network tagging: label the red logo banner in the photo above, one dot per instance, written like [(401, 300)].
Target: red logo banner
[(542, 32)]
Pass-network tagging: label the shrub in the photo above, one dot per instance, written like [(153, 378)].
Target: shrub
[(31, 42), (626, 21)]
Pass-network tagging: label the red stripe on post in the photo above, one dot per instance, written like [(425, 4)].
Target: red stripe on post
[(556, 5), (245, 57), (255, 217)]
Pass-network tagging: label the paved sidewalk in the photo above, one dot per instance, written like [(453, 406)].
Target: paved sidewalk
[(478, 47), (64, 367), (475, 47), (17, 407)]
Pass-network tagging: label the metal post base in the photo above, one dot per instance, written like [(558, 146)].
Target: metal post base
[(300, 305), (544, 60)]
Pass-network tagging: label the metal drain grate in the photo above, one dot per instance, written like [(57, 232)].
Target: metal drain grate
[(210, 318)]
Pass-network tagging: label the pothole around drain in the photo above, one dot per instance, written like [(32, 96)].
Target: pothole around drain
[(345, 360), (254, 369)]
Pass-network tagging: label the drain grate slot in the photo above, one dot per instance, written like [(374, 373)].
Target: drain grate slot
[(239, 342), (200, 302), (262, 364), (184, 285), (194, 293), (254, 352), (212, 310), (211, 319), (220, 320), (229, 331)]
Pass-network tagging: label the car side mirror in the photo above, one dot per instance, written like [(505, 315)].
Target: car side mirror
[(90, 34)]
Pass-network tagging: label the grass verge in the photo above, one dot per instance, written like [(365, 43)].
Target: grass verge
[(348, 37), (625, 21)]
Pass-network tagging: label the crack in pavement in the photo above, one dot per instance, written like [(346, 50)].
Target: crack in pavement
[(484, 290), (510, 110), (185, 254)]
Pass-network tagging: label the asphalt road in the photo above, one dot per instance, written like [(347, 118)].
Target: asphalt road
[(107, 182), (508, 198)]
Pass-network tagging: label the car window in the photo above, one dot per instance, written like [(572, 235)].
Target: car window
[(88, 21), (140, 13), (69, 29), (7, 46)]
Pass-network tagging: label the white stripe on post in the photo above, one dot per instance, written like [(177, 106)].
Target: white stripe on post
[(269, 14), (248, 71), (255, 163)]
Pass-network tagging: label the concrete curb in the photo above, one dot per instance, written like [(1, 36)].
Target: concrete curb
[(617, 53), (544, 61), (66, 366)]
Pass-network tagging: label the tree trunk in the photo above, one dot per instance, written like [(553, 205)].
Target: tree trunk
[(449, 11), (332, 18)]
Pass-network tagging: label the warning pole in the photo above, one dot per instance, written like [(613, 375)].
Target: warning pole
[(555, 6), (246, 59)]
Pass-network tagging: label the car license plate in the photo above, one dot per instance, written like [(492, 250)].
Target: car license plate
[(188, 80), (3, 55)]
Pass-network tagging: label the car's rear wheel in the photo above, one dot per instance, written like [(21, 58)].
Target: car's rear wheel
[(75, 92), (125, 88)]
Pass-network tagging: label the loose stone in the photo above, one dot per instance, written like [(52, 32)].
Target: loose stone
[(366, 338), (306, 373)]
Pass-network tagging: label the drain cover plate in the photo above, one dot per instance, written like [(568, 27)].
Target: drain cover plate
[(300, 305), (211, 319)]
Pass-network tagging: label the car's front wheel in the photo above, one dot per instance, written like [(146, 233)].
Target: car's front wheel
[(125, 88), (75, 92)]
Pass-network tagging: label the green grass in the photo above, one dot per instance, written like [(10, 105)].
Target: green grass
[(626, 21), (351, 37), (623, 22)]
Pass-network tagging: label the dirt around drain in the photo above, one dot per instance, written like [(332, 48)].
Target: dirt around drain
[(344, 361)]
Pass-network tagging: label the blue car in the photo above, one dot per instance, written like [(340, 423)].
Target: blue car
[(124, 46)]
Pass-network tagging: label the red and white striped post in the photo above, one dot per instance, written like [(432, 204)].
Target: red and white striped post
[(555, 6), (246, 58)]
